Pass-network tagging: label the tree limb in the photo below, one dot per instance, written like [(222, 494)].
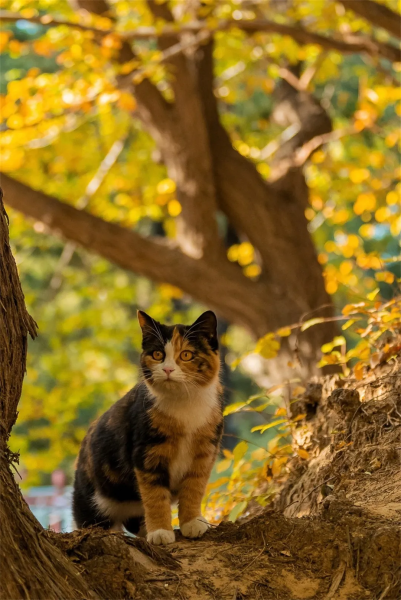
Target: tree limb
[(175, 127), (176, 61), (222, 286), (377, 14), (347, 44)]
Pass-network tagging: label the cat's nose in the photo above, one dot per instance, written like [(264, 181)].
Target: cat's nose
[(167, 371)]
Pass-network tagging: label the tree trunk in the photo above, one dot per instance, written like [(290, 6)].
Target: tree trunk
[(30, 566)]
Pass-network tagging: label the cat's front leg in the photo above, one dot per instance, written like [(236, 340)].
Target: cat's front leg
[(156, 500), (190, 495)]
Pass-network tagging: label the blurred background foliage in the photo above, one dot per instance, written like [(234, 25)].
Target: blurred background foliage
[(61, 115)]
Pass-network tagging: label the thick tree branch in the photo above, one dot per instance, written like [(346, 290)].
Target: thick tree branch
[(347, 44), (177, 62), (189, 163), (222, 286), (377, 14), (181, 136)]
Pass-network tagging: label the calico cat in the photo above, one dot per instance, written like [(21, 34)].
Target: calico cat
[(159, 442)]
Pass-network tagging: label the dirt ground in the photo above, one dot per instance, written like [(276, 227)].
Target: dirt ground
[(332, 534)]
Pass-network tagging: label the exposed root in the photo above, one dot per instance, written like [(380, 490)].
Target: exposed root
[(336, 581)]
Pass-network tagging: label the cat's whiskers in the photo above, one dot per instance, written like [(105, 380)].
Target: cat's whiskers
[(157, 332)]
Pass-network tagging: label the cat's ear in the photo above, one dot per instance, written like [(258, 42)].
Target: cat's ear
[(144, 320), (206, 324)]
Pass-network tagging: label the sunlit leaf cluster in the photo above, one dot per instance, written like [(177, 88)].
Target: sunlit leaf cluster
[(252, 476)]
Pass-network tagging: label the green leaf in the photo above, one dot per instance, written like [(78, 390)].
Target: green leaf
[(263, 428), (237, 510), (240, 451), (373, 294), (299, 417), (232, 408), (256, 397), (262, 406), (312, 322), (339, 340), (348, 324)]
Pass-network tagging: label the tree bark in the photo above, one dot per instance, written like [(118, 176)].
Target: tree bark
[(30, 566)]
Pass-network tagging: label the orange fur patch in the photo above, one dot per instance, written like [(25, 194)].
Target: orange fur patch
[(156, 502)]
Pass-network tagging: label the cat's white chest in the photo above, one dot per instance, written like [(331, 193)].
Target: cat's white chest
[(181, 463)]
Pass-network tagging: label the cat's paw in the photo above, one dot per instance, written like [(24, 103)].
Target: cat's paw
[(195, 528), (161, 537)]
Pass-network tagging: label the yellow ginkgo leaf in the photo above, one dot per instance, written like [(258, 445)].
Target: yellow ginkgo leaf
[(268, 346), (223, 465), (385, 276)]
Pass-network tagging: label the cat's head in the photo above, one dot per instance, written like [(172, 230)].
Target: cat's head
[(179, 355)]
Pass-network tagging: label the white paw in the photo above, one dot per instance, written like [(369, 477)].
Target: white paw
[(161, 537), (195, 528)]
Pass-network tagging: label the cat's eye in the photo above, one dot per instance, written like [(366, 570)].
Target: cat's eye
[(157, 355), (186, 355)]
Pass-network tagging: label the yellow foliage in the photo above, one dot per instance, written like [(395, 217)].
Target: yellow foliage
[(240, 451), (385, 276), (393, 198), (364, 202), (174, 208), (374, 318), (246, 254), (303, 453), (166, 186), (284, 332), (382, 214), (341, 216), (4, 37), (359, 175), (252, 271), (268, 346), (223, 465), (11, 160)]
